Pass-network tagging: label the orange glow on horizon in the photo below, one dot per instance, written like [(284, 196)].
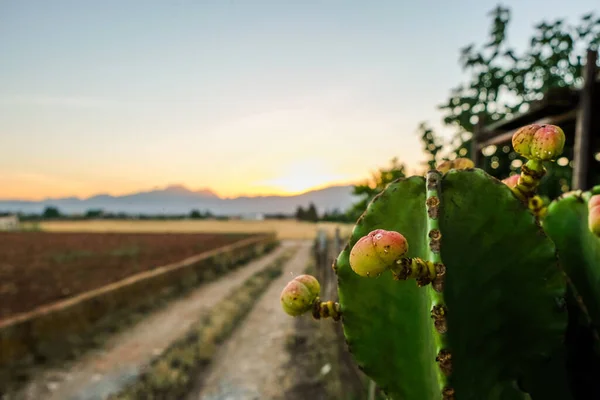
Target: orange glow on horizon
[(38, 188)]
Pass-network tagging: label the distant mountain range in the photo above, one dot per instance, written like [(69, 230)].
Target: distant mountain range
[(178, 199)]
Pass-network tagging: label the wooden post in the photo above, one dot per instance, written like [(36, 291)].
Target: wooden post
[(475, 152), (583, 151), (338, 240)]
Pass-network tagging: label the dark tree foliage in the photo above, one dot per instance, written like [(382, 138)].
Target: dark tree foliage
[(51, 212), (311, 214), (378, 182), (196, 214), (503, 82), (432, 145), (300, 213), (335, 216)]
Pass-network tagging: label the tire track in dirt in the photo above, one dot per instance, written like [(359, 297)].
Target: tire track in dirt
[(102, 372), (252, 363)]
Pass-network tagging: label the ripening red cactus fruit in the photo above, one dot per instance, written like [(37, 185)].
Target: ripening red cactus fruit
[(311, 283), (511, 181), (548, 143), (299, 295), (376, 252), (539, 142), (594, 214), (522, 138), (459, 163)]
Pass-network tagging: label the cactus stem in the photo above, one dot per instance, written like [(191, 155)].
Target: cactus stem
[(531, 175), (439, 310), (326, 309), (536, 205), (414, 268)]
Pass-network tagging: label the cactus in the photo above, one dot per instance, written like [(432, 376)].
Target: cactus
[(451, 288), (570, 223)]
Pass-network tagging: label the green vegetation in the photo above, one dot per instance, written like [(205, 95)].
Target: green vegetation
[(502, 83), (310, 214)]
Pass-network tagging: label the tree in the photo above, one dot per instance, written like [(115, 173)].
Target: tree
[(311, 214), (300, 213), (432, 145), (378, 182), (51, 212), (93, 213), (195, 214), (503, 83)]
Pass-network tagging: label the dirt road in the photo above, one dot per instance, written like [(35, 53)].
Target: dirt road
[(252, 363), (102, 372)]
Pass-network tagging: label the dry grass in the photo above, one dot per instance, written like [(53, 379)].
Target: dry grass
[(286, 229)]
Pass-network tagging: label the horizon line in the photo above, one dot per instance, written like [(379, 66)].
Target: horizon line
[(166, 187)]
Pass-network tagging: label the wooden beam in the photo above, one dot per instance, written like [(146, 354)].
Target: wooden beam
[(583, 130), (475, 150), (506, 137)]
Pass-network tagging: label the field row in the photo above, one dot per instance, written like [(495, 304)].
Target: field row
[(37, 268)]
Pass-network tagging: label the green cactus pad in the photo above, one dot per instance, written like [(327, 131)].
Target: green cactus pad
[(387, 323), (579, 249), (502, 288)]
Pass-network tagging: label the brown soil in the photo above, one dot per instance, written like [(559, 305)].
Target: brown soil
[(38, 268), (124, 356)]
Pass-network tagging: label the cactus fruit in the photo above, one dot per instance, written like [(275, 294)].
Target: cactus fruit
[(539, 142), (377, 251), (299, 295), (511, 181), (594, 214), (522, 139), (548, 143), (311, 283), (459, 163)]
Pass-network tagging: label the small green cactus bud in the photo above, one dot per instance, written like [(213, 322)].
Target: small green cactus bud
[(511, 181), (522, 138), (594, 214), (548, 143), (299, 295), (377, 251), (459, 163)]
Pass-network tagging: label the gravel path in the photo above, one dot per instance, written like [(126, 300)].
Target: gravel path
[(251, 364), (102, 372)]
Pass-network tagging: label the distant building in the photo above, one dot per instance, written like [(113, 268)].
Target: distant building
[(9, 223), (253, 217)]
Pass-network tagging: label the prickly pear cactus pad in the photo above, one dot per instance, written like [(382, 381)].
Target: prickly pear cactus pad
[(501, 290), (579, 249)]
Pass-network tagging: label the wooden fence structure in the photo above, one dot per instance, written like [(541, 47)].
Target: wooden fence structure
[(577, 112), (326, 250)]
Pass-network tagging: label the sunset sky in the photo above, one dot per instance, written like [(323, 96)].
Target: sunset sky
[(243, 97)]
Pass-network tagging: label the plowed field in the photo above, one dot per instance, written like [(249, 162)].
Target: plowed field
[(38, 268)]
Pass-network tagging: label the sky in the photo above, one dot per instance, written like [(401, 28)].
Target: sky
[(242, 97)]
